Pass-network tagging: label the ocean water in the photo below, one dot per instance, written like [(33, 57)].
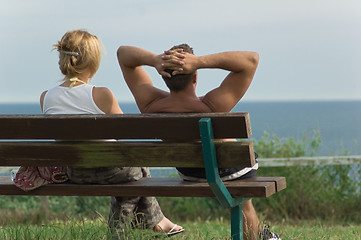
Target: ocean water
[(338, 122)]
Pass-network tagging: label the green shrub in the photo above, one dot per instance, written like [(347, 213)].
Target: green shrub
[(323, 192), (313, 192), (271, 146)]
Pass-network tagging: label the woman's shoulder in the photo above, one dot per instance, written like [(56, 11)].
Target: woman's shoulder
[(105, 100), (102, 92)]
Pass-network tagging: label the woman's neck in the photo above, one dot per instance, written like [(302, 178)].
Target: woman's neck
[(82, 78), (74, 81)]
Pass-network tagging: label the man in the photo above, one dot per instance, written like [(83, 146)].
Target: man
[(178, 67)]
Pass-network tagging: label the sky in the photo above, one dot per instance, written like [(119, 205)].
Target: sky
[(309, 50)]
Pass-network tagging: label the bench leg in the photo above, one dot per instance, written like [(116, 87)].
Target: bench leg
[(237, 222)]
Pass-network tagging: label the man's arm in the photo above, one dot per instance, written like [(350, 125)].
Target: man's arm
[(242, 67), (131, 60)]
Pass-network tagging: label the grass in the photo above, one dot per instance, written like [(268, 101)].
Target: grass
[(319, 231), (202, 230)]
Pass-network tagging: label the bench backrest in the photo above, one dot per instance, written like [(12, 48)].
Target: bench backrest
[(29, 140)]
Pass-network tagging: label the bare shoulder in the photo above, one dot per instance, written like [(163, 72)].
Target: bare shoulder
[(102, 92), (102, 97), (105, 100), (42, 96)]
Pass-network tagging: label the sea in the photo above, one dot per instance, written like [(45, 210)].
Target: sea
[(338, 123)]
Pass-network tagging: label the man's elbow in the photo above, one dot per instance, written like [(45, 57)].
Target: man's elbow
[(254, 58), (123, 56), (120, 52)]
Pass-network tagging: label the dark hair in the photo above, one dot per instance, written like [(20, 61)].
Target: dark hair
[(178, 82), (185, 47)]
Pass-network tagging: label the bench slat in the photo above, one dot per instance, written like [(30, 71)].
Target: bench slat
[(175, 126), (128, 154), (279, 181), (159, 187)]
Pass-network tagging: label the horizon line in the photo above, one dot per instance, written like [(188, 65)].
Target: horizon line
[(245, 100)]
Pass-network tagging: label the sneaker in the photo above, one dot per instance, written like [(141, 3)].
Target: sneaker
[(226, 174), (266, 234)]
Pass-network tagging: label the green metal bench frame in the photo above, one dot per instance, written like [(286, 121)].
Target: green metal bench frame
[(215, 182)]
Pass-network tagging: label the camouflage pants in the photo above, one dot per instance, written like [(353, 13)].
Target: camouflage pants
[(125, 212)]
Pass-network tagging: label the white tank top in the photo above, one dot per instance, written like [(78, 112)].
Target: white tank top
[(75, 100)]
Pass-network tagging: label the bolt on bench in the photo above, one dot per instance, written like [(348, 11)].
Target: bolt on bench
[(29, 140)]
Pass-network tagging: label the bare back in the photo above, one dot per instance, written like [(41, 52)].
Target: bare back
[(176, 105)]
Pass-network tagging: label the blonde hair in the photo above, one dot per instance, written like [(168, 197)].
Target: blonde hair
[(79, 51)]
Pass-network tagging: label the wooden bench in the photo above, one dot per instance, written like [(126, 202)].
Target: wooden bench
[(28, 140)]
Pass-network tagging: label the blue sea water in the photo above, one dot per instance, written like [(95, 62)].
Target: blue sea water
[(338, 122)]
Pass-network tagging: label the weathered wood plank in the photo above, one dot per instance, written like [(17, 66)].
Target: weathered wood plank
[(130, 154), (280, 182), (160, 187), (175, 126)]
